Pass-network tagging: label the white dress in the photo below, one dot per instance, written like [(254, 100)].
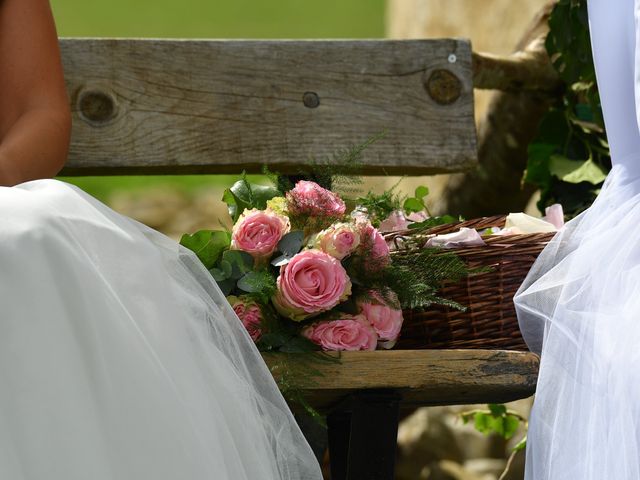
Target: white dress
[(120, 358), (580, 303)]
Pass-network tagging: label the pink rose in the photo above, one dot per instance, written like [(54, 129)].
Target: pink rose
[(249, 313), (373, 248), (312, 282), (384, 314), (339, 240), (310, 199), (348, 332), (258, 232)]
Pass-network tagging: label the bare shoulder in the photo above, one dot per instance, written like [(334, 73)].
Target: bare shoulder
[(30, 67)]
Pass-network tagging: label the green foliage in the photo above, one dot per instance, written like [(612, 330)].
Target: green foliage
[(416, 203), (569, 157), (244, 195), (435, 221), (417, 277), (380, 206), (496, 420), (208, 245)]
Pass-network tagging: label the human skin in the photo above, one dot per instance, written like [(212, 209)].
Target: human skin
[(35, 121)]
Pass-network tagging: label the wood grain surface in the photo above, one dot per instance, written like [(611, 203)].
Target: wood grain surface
[(220, 106), (423, 377)]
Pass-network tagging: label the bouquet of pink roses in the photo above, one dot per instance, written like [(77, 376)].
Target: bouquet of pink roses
[(305, 272)]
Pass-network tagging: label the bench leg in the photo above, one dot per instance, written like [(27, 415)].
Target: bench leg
[(363, 436)]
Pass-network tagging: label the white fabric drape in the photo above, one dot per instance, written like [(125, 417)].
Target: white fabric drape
[(579, 305), (120, 358)]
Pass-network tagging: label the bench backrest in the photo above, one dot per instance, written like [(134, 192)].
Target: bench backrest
[(222, 106)]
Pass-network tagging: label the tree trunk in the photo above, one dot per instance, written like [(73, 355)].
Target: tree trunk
[(506, 120), (504, 134)]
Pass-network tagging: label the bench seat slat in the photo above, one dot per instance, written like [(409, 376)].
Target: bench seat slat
[(223, 106), (423, 377)]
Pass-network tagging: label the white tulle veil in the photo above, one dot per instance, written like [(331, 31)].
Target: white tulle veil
[(579, 305)]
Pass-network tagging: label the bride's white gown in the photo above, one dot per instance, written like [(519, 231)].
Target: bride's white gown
[(120, 359), (580, 303)]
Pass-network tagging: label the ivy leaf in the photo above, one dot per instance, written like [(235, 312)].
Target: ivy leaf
[(497, 409), (482, 422), (413, 205), (422, 191), (510, 426), (576, 171), (537, 172), (208, 245)]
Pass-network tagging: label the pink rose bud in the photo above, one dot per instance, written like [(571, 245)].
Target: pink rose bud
[(339, 240), (348, 332), (249, 313), (384, 313), (312, 282), (309, 198), (373, 248), (258, 232)]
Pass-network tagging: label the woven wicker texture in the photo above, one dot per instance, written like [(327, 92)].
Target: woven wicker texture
[(490, 320)]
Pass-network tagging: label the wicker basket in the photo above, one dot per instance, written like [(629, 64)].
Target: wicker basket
[(490, 321)]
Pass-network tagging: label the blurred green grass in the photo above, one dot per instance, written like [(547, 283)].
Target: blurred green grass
[(209, 19)]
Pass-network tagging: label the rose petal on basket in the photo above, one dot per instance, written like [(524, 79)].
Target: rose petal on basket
[(528, 224), (465, 237), (555, 215)]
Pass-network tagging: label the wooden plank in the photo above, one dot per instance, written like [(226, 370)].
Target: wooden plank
[(423, 377), (218, 106)]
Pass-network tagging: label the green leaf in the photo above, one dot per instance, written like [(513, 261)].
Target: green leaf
[(482, 422), (413, 205), (208, 245), (422, 192), (274, 340), (219, 274), (227, 286), (291, 243), (576, 171), (298, 345), (240, 263), (244, 195), (497, 409), (259, 282), (511, 424), (539, 155)]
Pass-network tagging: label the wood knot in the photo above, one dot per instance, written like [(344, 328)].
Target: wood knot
[(96, 107), (443, 87), (310, 99)]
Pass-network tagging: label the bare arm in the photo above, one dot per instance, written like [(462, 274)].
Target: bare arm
[(35, 122)]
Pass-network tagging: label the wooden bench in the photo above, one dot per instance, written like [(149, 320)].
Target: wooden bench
[(178, 107)]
